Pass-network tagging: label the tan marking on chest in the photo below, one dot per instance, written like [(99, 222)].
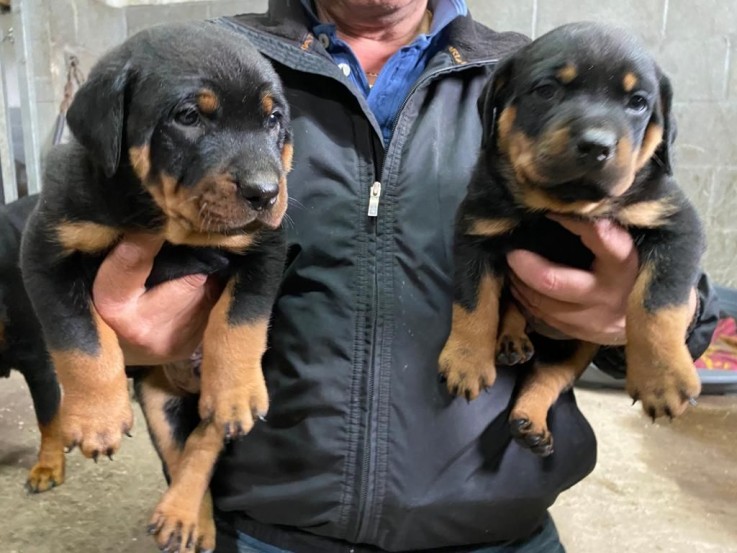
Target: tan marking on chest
[(85, 236), (650, 214)]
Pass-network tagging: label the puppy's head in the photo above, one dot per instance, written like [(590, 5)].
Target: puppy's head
[(199, 117), (576, 114)]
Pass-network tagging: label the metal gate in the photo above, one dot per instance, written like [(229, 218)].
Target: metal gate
[(20, 150)]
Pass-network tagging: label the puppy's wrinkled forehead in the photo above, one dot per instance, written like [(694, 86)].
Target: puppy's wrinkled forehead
[(205, 51), (591, 56)]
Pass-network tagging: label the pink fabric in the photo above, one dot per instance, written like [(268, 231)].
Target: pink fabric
[(722, 352)]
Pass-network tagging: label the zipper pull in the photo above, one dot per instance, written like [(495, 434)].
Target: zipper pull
[(373, 208)]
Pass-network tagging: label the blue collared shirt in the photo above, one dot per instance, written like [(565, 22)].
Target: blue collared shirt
[(400, 72)]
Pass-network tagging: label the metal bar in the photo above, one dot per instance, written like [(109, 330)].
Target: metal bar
[(24, 12), (7, 153)]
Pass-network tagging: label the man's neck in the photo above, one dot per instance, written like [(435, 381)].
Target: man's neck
[(375, 33)]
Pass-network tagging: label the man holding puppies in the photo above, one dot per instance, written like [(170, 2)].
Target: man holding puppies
[(362, 444)]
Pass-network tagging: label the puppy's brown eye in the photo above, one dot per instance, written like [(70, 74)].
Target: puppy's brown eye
[(637, 103), (187, 117), (545, 91), (274, 120)]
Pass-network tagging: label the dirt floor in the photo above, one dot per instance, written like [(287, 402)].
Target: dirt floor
[(664, 487)]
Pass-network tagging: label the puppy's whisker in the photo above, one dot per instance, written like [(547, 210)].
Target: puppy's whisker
[(294, 201)]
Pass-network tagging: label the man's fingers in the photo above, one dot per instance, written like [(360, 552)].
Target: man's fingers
[(606, 239), (550, 279), (181, 291), (570, 319), (122, 275)]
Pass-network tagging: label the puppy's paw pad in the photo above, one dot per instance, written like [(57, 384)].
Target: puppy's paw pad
[(532, 435), (513, 350)]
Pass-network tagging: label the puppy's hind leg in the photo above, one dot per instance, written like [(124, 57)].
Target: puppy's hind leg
[(549, 378), (183, 516), (48, 471), (513, 346)]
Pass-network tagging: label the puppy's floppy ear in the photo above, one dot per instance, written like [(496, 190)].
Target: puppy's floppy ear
[(663, 115), (97, 114), (492, 100)]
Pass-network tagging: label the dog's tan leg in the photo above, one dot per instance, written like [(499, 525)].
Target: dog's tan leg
[(48, 472), (184, 515), (177, 516), (660, 370), (234, 391), (540, 390), (95, 406), (467, 360)]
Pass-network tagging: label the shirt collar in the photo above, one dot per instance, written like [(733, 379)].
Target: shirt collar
[(443, 12)]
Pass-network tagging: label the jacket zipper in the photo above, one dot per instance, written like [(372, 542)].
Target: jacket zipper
[(367, 466), (374, 197), (368, 462)]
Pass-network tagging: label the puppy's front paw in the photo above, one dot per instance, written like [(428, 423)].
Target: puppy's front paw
[(96, 420), (234, 408), (467, 369), (665, 386)]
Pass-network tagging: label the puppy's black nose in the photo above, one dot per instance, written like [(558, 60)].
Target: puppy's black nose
[(596, 146), (260, 195)]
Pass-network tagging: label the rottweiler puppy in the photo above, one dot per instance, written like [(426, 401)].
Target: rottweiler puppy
[(577, 123), (181, 132), (22, 348)]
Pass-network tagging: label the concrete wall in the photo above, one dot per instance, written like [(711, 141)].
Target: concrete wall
[(696, 45)]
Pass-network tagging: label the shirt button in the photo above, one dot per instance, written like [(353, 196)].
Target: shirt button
[(324, 39), (345, 68)]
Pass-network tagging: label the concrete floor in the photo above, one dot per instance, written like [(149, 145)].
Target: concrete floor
[(664, 487)]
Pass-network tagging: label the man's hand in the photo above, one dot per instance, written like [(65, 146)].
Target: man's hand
[(160, 325), (587, 305)]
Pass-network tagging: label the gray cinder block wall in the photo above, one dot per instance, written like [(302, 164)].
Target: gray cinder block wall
[(696, 44)]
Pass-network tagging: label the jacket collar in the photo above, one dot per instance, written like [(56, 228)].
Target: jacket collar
[(468, 41)]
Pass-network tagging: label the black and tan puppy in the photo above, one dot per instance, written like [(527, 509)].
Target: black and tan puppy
[(181, 132), (22, 348), (578, 123)]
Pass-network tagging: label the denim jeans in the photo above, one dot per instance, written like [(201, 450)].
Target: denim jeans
[(545, 541)]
